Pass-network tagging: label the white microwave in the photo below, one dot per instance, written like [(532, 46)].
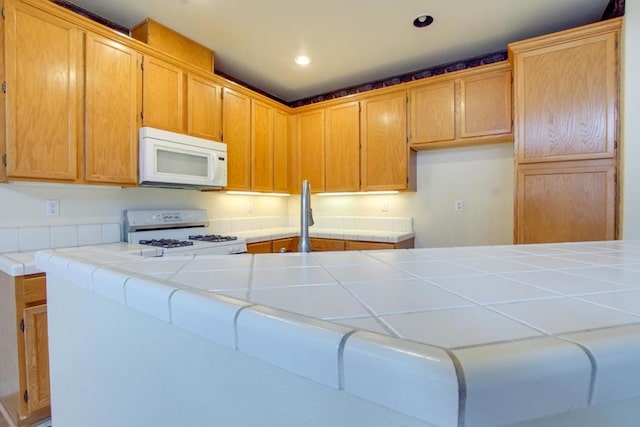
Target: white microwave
[(173, 160)]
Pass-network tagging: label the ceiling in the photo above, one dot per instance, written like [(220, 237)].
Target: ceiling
[(350, 42)]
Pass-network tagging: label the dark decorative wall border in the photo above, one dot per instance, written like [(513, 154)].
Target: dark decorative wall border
[(614, 9), (90, 15)]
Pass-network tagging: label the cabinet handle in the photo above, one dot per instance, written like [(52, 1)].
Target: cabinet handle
[(283, 250)]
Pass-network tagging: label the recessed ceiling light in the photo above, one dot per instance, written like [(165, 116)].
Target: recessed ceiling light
[(303, 60), (423, 21)]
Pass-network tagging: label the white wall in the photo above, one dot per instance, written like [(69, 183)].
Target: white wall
[(24, 204), (482, 177), (630, 90)]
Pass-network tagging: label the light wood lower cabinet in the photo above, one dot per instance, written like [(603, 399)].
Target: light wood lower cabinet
[(26, 361), (566, 201), (322, 245)]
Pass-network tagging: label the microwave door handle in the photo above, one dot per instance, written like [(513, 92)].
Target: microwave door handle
[(214, 160)]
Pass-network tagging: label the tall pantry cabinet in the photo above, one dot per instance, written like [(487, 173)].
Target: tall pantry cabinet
[(566, 129)]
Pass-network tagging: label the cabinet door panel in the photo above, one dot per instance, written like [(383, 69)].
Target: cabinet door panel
[(485, 105), (236, 132), (433, 113), (36, 347), (44, 94), (112, 108), (204, 108), (322, 245), (565, 202), (261, 146), (311, 139), (281, 151), (259, 248), (384, 154), (566, 100), (342, 149), (163, 95)]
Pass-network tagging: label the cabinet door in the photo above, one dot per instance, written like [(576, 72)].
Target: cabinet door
[(311, 149), (357, 245), (285, 245), (163, 95), (261, 146), (565, 99), (236, 133), (36, 347), (259, 248), (384, 154), (432, 113), (485, 104), (342, 149), (566, 201), (204, 108), (281, 151), (113, 94), (323, 245), (44, 94)]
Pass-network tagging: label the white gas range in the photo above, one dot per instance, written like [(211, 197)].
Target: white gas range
[(178, 232)]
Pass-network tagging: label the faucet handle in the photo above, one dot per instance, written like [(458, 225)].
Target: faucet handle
[(310, 217)]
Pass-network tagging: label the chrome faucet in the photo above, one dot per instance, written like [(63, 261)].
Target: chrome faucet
[(306, 217)]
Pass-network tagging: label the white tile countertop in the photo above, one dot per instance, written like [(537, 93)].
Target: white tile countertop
[(469, 336)]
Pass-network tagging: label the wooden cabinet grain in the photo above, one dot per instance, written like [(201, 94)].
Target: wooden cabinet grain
[(322, 245), (468, 107), (113, 96), (163, 95), (385, 154), (566, 94), (565, 201), (204, 107), (311, 148), (24, 322), (566, 131), (260, 247), (236, 133), (342, 148), (43, 114), (282, 151), (262, 146)]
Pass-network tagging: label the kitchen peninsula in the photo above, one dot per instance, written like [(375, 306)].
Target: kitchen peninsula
[(471, 336)]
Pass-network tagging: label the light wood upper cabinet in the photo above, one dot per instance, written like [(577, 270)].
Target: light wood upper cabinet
[(163, 95), (43, 61), (311, 151), (385, 152), (342, 147), (485, 104), (566, 94), (204, 109), (113, 96), (281, 151), (432, 109), (464, 108), (236, 133), (261, 146), (566, 201)]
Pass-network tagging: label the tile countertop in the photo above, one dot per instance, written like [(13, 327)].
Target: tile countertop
[(453, 336), (384, 236)]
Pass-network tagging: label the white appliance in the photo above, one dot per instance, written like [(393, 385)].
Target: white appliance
[(174, 160), (178, 232)]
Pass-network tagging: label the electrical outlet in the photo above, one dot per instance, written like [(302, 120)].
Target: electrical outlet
[(384, 207), (458, 206), (52, 207)]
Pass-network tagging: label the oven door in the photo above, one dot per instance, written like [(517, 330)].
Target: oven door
[(179, 160)]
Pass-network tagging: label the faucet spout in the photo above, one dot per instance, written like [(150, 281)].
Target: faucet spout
[(306, 217)]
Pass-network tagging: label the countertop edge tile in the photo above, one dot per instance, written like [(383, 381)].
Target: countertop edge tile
[(616, 352), (413, 378), (554, 373), (150, 296), (299, 344), (206, 314)]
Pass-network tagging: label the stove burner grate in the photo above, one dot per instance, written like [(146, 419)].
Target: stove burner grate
[(166, 243), (212, 238)]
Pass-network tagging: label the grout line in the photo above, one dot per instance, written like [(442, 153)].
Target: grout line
[(594, 367), (462, 387), (341, 346)]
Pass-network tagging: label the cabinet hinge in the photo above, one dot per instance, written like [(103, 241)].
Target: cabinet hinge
[(141, 115), (25, 396), (22, 325), (3, 16), (4, 87), (4, 160)]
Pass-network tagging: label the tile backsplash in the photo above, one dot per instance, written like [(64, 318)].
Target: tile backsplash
[(14, 239)]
